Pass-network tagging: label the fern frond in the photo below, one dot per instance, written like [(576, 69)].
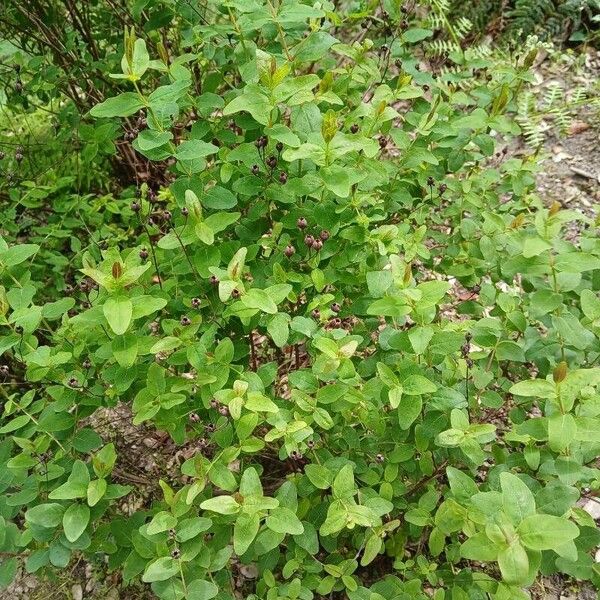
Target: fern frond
[(439, 47), (552, 95)]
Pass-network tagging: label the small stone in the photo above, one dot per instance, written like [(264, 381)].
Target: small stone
[(592, 508), (249, 571), (77, 592)]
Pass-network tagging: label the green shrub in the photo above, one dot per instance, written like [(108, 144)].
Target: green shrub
[(375, 344)]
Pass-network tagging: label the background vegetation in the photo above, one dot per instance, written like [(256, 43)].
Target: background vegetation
[(284, 311)]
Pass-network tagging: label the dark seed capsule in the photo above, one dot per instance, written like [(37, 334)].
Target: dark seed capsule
[(255, 169), (468, 336), (185, 321), (135, 207), (185, 211), (19, 329), (143, 254), (324, 235), (398, 63), (279, 146), (316, 313), (442, 188), (317, 245), (430, 181), (383, 142), (235, 293), (301, 223), (309, 240), (425, 87), (283, 177), (354, 128), (272, 162), (176, 553), (73, 382), (289, 250), (167, 215), (335, 307)]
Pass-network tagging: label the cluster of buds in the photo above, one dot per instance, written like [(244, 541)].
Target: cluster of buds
[(298, 461), (465, 350), (312, 242), (315, 242), (223, 410)]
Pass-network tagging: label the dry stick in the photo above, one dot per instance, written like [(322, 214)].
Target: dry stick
[(186, 254), (152, 252), (425, 480), (253, 351)]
